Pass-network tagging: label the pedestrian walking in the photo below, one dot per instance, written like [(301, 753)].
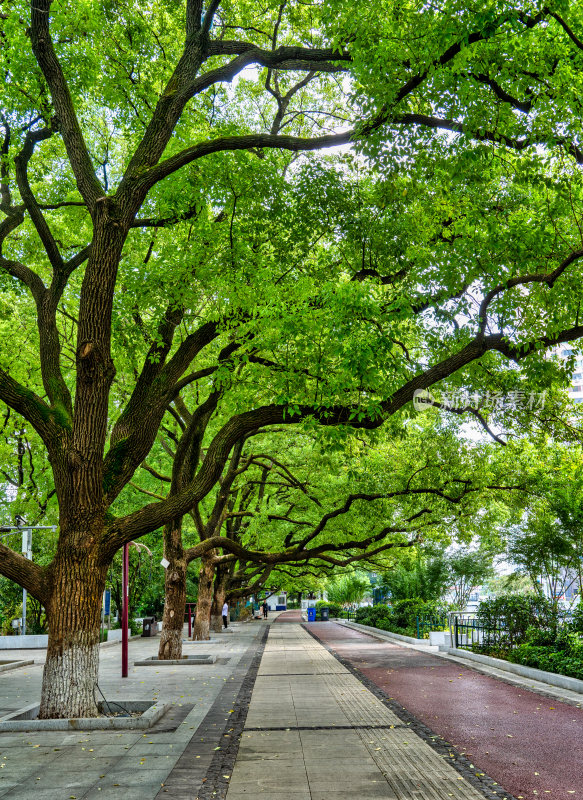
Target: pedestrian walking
[(265, 609), (225, 614)]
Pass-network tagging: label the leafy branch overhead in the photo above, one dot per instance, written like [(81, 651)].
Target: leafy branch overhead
[(217, 220)]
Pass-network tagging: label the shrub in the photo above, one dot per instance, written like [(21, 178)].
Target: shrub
[(576, 623), (334, 608), (370, 615), (563, 662), (518, 613), (400, 617)]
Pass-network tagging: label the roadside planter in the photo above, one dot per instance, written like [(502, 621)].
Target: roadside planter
[(185, 661), (40, 641), (119, 716), (8, 665), (28, 642), (437, 637)]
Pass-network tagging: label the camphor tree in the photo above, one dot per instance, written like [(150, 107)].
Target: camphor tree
[(102, 142), (319, 507)]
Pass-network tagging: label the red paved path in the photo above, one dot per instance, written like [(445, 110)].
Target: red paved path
[(289, 616), (531, 745)]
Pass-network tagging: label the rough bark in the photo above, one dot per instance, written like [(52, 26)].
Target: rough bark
[(205, 599), (174, 593), (73, 615), (219, 595)]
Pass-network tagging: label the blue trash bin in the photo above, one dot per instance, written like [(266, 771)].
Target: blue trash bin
[(311, 614)]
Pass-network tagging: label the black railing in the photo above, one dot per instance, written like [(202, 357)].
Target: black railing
[(430, 622), (473, 634)]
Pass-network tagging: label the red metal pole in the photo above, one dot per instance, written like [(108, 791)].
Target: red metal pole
[(189, 620), (124, 613)]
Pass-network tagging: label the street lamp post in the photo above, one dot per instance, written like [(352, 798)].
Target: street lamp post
[(26, 552)]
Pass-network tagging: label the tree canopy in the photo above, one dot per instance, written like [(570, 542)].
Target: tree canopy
[(293, 214)]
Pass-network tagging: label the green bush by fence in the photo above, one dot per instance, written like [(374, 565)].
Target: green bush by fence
[(400, 617), (532, 634)]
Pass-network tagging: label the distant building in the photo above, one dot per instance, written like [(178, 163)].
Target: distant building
[(277, 601), (575, 391)]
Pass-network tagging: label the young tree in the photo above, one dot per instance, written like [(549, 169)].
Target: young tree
[(468, 570), (348, 589)]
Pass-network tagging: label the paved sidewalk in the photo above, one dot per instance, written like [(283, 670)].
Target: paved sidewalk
[(314, 732), (130, 765)]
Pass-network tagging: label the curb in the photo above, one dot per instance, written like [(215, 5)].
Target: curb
[(151, 714), (16, 665), (380, 634), (185, 661), (550, 678)]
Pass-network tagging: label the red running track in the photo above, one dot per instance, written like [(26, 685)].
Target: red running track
[(289, 616), (530, 744)]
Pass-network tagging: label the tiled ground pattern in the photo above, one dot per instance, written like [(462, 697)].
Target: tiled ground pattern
[(314, 732)]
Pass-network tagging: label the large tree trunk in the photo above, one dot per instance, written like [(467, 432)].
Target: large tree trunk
[(219, 594), (205, 598), (73, 616), (175, 593)]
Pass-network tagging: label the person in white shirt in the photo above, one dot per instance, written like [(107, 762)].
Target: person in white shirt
[(226, 614)]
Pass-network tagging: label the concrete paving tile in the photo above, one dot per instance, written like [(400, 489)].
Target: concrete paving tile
[(77, 763), (338, 764), (256, 758), (104, 792), (346, 774), (289, 751), (368, 785), (65, 777), (384, 792), (155, 748), (261, 784), (16, 772), (244, 794), (126, 777), (151, 762), (53, 793), (286, 769), (292, 781), (269, 745)]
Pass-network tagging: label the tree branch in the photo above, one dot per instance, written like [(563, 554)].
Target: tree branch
[(24, 572), (66, 118)]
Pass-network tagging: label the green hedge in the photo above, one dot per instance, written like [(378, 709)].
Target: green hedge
[(560, 652), (535, 637), (334, 608), (400, 617), (561, 662)]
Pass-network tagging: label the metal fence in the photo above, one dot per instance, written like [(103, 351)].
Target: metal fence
[(430, 622), (472, 634)]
